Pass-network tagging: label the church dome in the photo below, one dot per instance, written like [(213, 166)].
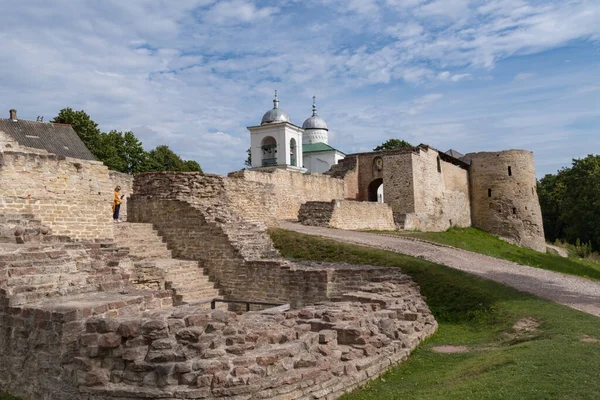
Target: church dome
[(276, 114), (314, 122), (315, 128)]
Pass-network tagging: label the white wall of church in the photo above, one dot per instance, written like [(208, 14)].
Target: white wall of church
[(321, 162), (283, 133)]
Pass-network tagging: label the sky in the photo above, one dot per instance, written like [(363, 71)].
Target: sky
[(481, 75)]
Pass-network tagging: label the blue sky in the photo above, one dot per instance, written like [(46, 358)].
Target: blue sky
[(480, 75)]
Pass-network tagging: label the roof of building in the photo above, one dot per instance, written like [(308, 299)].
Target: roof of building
[(314, 122), (318, 147), (276, 114), (59, 139), (454, 153)]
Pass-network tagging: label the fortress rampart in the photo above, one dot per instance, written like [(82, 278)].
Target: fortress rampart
[(504, 197)]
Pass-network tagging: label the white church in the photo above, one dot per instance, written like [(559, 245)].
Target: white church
[(277, 143)]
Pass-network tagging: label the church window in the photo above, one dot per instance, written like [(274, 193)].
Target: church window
[(439, 164), (509, 171), (489, 192), (293, 152)]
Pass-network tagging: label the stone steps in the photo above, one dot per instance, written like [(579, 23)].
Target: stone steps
[(185, 278)]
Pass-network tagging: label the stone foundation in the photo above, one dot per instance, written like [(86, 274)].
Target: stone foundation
[(320, 351), (348, 215)]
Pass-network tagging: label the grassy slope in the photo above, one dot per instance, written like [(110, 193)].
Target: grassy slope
[(477, 241), (551, 363)]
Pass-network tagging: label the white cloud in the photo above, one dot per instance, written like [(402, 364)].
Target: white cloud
[(194, 73), (236, 11)]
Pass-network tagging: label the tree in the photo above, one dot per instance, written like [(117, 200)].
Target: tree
[(84, 126), (123, 152), (248, 162), (162, 158), (393, 144), (581, 201), (570, 202)]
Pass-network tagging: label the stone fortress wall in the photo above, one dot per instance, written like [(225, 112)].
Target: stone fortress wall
[(290, 189), (423, 193), (441, 193), (71, 196), (348, 215), (504, 197)]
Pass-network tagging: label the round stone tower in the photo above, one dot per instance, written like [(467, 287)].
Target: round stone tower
[(504, 198)]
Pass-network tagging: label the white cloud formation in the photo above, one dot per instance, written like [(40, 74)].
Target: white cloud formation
[(194, 73)]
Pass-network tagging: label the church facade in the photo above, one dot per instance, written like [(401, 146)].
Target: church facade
[(278, 143)]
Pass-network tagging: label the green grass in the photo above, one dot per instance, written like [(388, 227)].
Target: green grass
[(4, 396), (477, 241), (550, 363)]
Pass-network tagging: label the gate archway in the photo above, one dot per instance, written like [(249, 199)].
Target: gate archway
[(374, 188)]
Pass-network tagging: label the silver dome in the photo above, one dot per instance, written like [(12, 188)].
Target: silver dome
[(314, 122), (276, 114)]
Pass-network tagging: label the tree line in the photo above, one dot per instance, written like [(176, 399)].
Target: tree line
[(570, 201), (122, 151)]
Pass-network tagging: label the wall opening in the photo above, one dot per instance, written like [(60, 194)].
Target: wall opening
[(439, 164), (374, 190), (293, 160), (269, 152), (514, 210), (489, 192), (509, 171)]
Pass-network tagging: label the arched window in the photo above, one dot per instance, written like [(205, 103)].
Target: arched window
[(269, 152), (293, 160)]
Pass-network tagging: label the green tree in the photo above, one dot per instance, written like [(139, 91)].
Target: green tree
[(581, 201), (393, 144), (551, 190), (248, 162), (162, 158), (570, 202), (85, 127), (123, 152)]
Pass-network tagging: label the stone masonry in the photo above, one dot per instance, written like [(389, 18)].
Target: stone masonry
[(77, 326), (71, 196), (504, 197), (347, 214)]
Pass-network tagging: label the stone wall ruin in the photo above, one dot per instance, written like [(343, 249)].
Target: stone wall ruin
[(73, 320), (348, 215), (73, 197)]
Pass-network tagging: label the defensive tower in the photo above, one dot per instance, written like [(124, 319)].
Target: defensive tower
[(504, 198)]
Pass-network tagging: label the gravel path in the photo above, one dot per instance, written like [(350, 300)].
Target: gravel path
[(579, 293)]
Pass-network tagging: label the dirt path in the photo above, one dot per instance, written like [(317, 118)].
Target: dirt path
[(579, 293)]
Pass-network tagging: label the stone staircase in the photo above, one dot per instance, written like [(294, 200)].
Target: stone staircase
[(250, 239), (155, 268), (36, 272)]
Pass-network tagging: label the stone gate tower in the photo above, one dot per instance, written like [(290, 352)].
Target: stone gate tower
[(504, 198)]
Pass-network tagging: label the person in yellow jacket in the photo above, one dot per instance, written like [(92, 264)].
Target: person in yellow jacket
[(116, 206)]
